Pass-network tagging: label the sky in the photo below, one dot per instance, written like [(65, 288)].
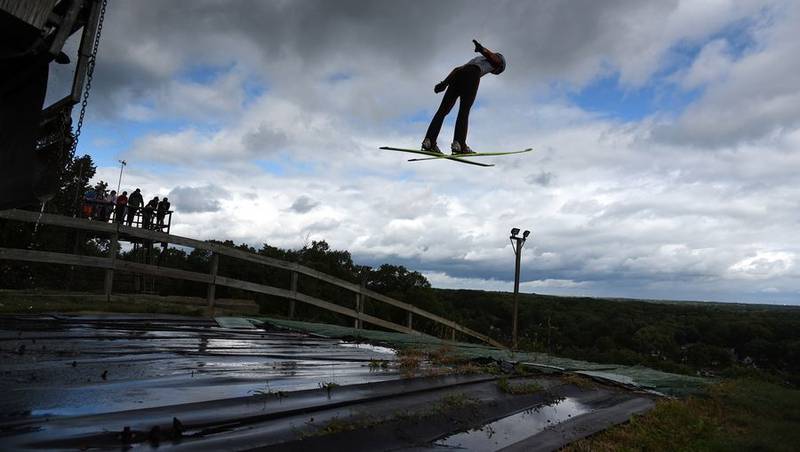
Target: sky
[(666, 136)]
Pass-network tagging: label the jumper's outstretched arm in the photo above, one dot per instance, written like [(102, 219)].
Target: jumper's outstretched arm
[(491, 56), (441, 86)]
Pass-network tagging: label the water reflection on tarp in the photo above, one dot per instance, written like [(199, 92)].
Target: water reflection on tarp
[(515, 428), (155, 364)]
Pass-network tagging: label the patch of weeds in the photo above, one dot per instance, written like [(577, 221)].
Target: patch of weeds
[(448, 404), (443, 356), (521, 369), (378, 364), (267, 393), (328, 387), (578, 380), (339, 425), (454, 401), (528, 387), (410, 361), (440, 361), (472, 368)]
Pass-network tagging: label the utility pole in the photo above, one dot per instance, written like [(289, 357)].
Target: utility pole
[(122, 164), (516, 244)]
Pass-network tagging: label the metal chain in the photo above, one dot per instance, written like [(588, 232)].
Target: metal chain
[(89, 74)]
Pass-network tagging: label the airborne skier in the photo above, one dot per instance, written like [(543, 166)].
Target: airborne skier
[(462, 83)]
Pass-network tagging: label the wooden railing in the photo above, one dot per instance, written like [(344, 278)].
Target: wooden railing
[(212, 279)]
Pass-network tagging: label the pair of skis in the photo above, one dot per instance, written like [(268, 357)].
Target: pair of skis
[(461, 158)]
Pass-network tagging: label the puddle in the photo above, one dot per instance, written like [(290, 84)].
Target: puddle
[(512, 429)]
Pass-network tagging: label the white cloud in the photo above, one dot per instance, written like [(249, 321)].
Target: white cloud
[(711, 65), (753, 99), (764, 265)]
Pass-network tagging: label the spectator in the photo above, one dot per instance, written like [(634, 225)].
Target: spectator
[(135, 201), (108, 205), (122, 203), (147, 214), (161, 211), (88, 202)]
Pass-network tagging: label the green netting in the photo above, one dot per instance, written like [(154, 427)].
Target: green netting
[(643, 377)]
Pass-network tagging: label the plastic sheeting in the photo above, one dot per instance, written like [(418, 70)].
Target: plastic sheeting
[(632, 376)]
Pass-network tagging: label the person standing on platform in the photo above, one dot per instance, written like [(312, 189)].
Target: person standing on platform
[(161, 211), (119, 210), (108, 206), (135, 202), (147, 213)]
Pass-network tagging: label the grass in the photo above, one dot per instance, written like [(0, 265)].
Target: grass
[(578, 381), (267, 392), (338, 425), (525, 387), (11, 304), (415, 361), (445, 405), (378, 364), (741, 414), (454, 401)]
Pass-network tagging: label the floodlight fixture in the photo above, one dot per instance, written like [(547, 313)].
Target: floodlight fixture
[(122, 164), (516, 245)]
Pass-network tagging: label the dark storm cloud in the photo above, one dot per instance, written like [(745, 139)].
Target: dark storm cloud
[(147, 42), (264, 137), (303, 204)]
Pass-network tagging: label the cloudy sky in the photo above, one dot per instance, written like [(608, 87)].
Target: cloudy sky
[(666, 136)]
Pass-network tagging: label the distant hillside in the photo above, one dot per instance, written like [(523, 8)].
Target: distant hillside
[(678, 336)]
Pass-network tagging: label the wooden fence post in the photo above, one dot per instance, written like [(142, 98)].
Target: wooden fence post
[(409, 320), (212, 287), (360, 300), (293, 288), (358, 310), (109, 281)]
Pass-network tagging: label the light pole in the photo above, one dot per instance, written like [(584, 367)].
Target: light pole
[(516, 244), (122, 164)]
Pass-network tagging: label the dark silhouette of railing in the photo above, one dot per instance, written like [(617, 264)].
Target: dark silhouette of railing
[(212, 279)]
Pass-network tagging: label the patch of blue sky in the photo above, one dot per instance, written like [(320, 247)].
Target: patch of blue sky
[(739, 35), (271, 166), (254, 88), (301, 166), (607, 97), (204, 74), (418, 116), (283, 164), (108, 141)]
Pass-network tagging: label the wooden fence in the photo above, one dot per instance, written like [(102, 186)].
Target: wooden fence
[(212, 279)]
